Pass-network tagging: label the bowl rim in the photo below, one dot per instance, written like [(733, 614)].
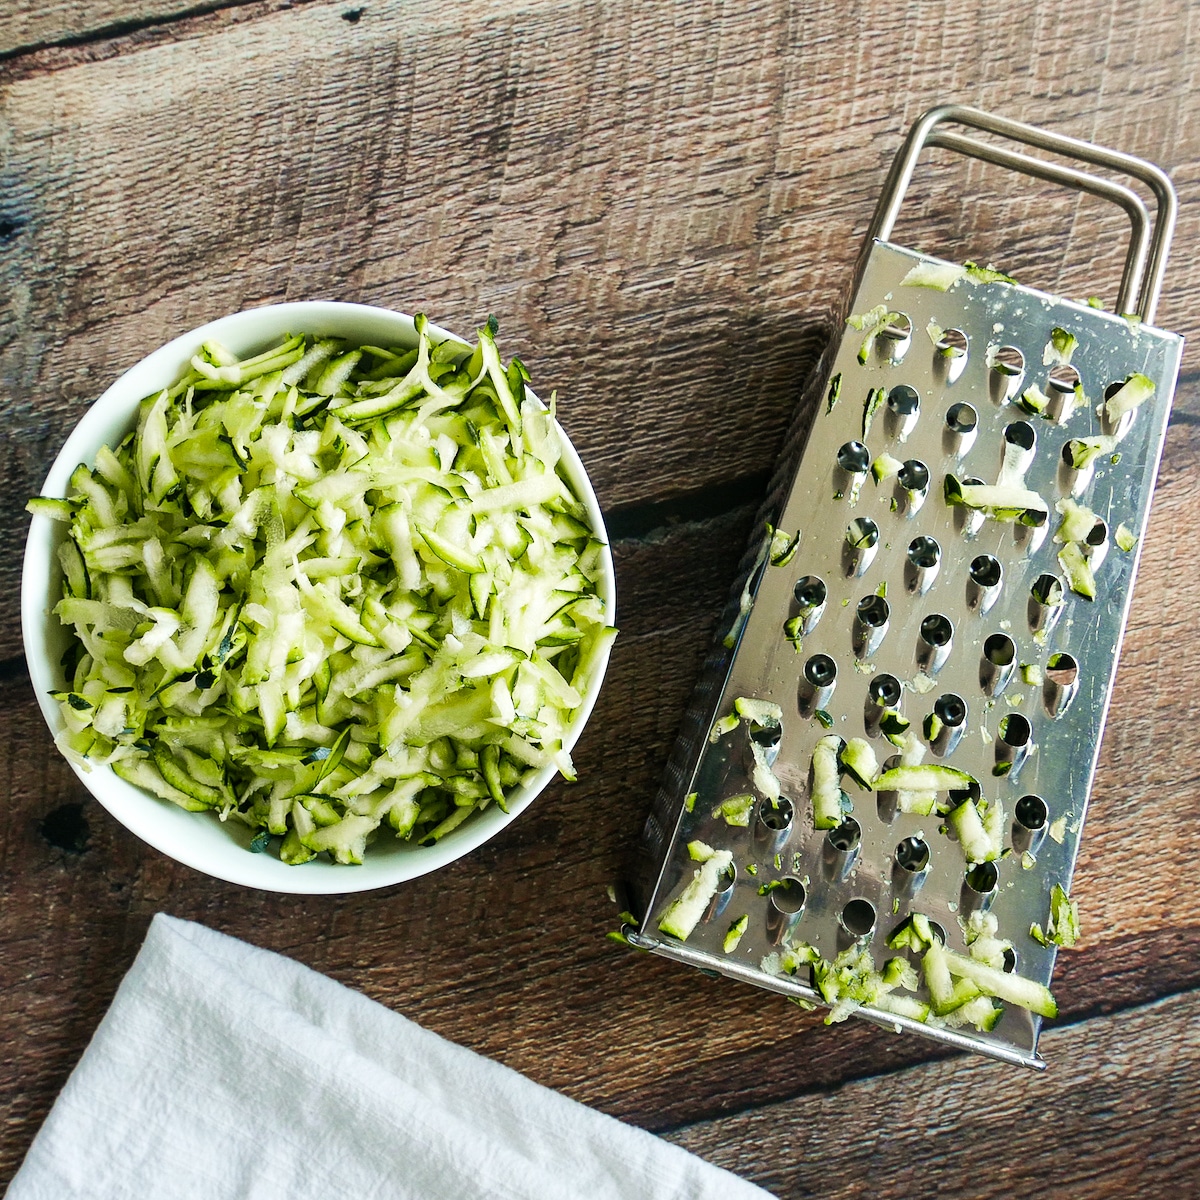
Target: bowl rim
[(156, 821)]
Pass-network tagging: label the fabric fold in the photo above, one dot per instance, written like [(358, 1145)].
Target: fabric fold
[(222, 1070)]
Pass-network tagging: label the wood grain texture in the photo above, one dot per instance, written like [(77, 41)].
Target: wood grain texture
[(663, 203), (29, 25), (514, 930), (505, 951), (1115, 1117)]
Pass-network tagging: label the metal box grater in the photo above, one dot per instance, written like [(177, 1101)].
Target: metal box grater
[(898, 599)]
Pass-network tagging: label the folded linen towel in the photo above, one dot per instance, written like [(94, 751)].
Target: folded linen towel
[(222, 1070)]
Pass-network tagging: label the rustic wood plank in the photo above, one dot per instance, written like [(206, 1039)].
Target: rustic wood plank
[(1114, 1117), (663, 204), (516, 965), (28, 25), (70, 921)]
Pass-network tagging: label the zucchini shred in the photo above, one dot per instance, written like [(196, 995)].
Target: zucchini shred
[(329, 590)]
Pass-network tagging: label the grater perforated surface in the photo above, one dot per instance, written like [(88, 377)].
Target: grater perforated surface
[(960, 609)]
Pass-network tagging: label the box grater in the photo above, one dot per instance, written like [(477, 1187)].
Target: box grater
[(916, 594)]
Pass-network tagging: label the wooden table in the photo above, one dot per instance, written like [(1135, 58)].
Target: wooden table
[(662, 203)]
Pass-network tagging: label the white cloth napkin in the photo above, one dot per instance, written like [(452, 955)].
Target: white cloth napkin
[(222, 1070)]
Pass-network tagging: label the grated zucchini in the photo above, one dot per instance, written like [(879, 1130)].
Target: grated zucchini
[(685, 912), (328, 590)]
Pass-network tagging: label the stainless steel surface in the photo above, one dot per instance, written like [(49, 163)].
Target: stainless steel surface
[(1143, 301), (1051, 758)]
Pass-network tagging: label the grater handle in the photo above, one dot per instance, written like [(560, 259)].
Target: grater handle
[(1139, 218), (1141, 282)]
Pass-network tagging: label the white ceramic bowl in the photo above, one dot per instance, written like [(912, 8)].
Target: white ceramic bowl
[(199, 839)]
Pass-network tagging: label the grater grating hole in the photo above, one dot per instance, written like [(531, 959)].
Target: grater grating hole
[(999, 650), (962, 423), (723, 893), (1030, 820), (873, 611), (773, 825), (924, 552), (885, 690), (945, 726), (1015, 731), (767, 736), (986, 571), (1008, 361), (910, 866), (1011, 960), (939, 934), (1046, 603), (923, 558), (790, 896), (934, 641), (818, 680), (894, 339), (984, 577), (784, 907), (912, 855), (870, 624), (936, 630), (839, 850), (1072, 479), (777, 817), (1061, 684), (997, 663), (1047, 590), (1121, 428), (1014, 741), (979, 887), (912, 483), (862, 541), (903, 409), (1063, 385), (951, 709), (1062, 669), (1007, 369), (982, 878), (951, 343), (847, 837), (862, 533), (950, 356), (1021, 435), (810, 592), (854, 458), (1031, 813), (961, 419), (1064, 378), (820, 670), (904, 401), (1031, 533), (971, 792), (858, 918)]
